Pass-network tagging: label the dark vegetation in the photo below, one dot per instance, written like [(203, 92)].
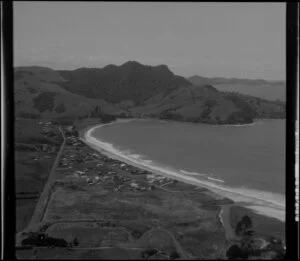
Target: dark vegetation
[(31, 89), (44, 101), (247, 249), (97, 112), (64, 120), (118, 83), (239, 117), (174, 255), (41, 239), (241, 104), (20, 74), (60, 108), (258, 108), (148, 253), (28, 115), (243, 226), (170, 116)]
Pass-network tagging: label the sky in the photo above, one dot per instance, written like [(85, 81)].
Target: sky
[(242, 40)]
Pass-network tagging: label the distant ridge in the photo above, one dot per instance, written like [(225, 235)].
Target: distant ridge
[(270, 90), (199, 80)]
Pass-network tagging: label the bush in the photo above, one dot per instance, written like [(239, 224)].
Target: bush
[(41, 239), (28, 115), (149, 252), (243, 225), (237, 253), (136, 234), (239, 117), (205, 113), (60, 109), (65, 120), (174, 255), (44, 101), (75, 242)]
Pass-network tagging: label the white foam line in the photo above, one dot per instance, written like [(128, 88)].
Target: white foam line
[(218, 180), (191, 173), (237, 195)]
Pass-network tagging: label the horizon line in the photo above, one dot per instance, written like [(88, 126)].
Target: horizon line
[(134, 61)]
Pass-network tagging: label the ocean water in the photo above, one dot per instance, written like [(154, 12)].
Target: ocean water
[(248, 158)]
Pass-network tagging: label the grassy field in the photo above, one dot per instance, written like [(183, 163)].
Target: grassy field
[(111, 213), (265, 226), (32, 166)]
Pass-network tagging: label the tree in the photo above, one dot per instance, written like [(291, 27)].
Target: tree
[(75, 242), (174, 255), (244, 225)]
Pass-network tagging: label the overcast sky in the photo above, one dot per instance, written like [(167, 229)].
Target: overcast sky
[(244, 40)]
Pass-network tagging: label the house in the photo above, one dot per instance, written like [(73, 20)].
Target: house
[(71, 128), (134, 185)]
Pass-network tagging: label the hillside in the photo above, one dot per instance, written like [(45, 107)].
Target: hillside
[(131, 81), (208, 105), (38, 92), (269, 90), (133, 90)]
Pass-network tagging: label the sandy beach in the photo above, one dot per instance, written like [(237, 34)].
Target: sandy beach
[(257, 204)]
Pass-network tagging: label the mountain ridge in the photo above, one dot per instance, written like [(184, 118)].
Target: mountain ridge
[(133, 90)]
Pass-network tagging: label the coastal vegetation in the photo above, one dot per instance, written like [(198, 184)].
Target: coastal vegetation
[(252, 246)]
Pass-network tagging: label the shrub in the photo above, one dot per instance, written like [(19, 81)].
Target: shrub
[(75, 242), (28, 115), (243, 225), (60, 109), (149, 252), (41, 239), (205, 113), (44, 101), (174, 255), (239, 117)]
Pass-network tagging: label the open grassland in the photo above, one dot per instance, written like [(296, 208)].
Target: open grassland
[(35, 151)]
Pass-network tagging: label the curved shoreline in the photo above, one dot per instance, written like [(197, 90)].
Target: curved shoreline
[(264, 207)]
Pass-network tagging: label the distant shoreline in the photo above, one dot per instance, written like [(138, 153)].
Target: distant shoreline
[(270, 209)]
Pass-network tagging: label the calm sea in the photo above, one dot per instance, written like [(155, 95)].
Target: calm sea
[(249, 157)]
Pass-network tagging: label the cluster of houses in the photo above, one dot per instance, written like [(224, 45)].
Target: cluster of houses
[(158, 180), (46, 148), (48, 129), (74, 141), (70, 131), (102, 172)]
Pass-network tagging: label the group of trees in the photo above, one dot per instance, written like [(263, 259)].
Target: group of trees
[(247, 249), (98, 113), (42, 239), (148, 253)]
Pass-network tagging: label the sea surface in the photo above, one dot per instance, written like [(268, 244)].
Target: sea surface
[(248, 158)]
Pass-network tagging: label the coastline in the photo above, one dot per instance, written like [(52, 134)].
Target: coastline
[(258, 205)]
